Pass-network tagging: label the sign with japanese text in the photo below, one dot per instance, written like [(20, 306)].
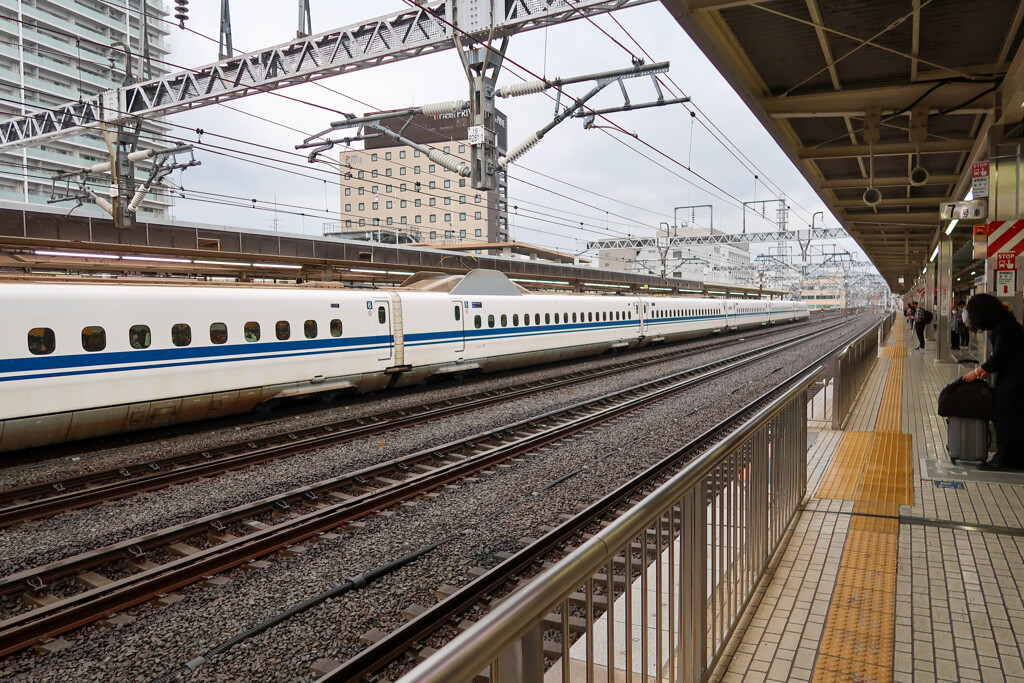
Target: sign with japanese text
[(1006, 260), (979, 179)]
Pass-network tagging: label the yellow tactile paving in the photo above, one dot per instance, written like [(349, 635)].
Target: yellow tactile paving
[(875, 470), (843, 477)]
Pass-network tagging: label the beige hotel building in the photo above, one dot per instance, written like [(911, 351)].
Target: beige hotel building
[(394, 194)]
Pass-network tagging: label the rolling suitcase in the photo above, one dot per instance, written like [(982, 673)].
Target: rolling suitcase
[(967, 439)]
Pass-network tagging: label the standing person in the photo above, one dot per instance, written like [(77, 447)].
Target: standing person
[(985, 312), (954, 333), (921, 320), (908, 313), (961, 325)]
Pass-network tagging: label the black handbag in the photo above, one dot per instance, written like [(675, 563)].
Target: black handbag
[(966, 399)]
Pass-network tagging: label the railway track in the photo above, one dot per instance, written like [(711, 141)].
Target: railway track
[(52, 497), (162, 561)]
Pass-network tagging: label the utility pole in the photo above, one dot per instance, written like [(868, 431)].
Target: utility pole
[(225, 50), (121, 135)]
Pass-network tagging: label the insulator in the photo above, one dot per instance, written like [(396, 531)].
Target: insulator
[(140, 194), (527, 88), (445, 107), (181, 11), (519, 150), (103, 204), (450, 162)]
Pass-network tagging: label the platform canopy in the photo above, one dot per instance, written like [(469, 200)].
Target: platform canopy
[(942, 79)]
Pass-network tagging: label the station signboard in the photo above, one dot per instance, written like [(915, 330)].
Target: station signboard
[(979, 179)]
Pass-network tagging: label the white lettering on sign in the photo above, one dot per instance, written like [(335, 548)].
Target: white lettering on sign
[(979, 179), (1006, 260), (1006, 282)]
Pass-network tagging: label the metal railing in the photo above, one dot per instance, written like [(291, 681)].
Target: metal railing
[(852, 366), (657, 594)]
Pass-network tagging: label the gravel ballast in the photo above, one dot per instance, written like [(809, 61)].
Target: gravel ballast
[(483, 514)]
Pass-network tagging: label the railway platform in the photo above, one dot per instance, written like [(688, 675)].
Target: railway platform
[(901, 565)]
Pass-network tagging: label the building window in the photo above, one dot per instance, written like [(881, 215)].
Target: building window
[(388, 188), (476, 199), (478, 215), (94, 338), (462, 148), (387, 172), (348, 208), (376, 222), (375, 206), (403, 220), (448, 234), (310, 329), (462, 182), (402, 204), (360, 175), (362, 222), (478, 232), (373, 173), (447, 200), (462, 199), (447, 218), (218, 333), (389, 204), (447, 184), (462, 233), (348, 191), (402, 187), (401, 171), (387, 156), (419, 218), (431, 168), (181, 334), (462, 216), (447, 149), (252, 331), (376, 189), (283, 330), (348, 223), (401, 154), (362, 190), (139, 336), (417, 203), (390, 220), (433, 218), (373, 157), (432, 185), (362, 206), (433, 201), (416, 169), (433, 234), (416, 153)]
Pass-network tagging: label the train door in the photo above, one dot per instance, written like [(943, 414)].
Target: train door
[(642, 314), (382, 321), (460, 308)]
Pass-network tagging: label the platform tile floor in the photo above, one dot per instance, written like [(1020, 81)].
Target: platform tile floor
[(957, 607)]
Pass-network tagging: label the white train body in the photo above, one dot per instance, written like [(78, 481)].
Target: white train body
[(78, 361)]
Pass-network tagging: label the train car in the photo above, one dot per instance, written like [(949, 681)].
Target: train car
[(79, 361)]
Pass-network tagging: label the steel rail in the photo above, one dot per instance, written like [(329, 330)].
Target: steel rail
[(52, 497), (53, 619)]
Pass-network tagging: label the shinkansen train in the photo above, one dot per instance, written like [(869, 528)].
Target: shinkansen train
[(85, 360)]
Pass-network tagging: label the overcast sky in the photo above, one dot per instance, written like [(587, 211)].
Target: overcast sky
[(614, 184)]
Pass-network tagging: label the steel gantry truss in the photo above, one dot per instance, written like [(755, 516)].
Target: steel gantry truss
[(424, 29), (748, 238)]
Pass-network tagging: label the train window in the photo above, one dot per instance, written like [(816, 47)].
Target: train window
[(515, 320), (558, 318), (476, 321), (335, 328), (252, 331), (310, 328), (458, 312), (490, 320), (219, 333), (382, 316), (139, 336), (94, 338), (526, 319), (181, 334), (504, 320), (283, 329), (565, 317), (41, 341), (574, 316), (590, 317)]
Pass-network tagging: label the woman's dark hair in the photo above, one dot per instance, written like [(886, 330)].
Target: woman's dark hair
[(984, 311)]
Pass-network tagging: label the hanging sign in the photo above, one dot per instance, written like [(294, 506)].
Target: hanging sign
[(1006, 282)]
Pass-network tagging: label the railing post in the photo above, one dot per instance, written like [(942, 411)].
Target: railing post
[(523, 662), (694, 597)]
